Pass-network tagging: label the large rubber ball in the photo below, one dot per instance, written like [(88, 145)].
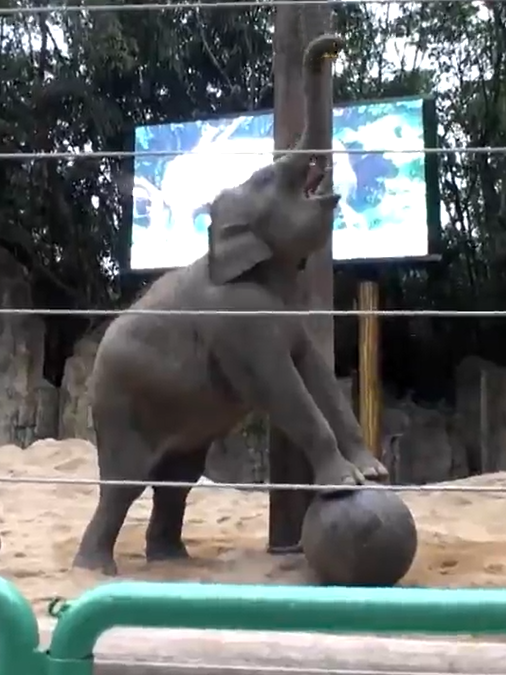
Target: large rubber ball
[(359, 538)]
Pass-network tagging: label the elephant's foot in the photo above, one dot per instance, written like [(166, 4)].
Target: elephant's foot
[(338, 471), (370, 467), (157, 551), (285, 550), (96, 562)]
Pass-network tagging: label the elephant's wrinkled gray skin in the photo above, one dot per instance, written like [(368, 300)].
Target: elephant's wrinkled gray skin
[(165, 386)]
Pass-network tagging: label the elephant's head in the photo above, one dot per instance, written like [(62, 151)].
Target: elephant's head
[(281, 213)]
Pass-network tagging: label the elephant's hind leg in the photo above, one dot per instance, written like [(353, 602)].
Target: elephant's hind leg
[(97, 545), (163, 536), (122, 456)]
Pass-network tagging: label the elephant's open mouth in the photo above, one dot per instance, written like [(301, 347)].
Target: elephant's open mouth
[(314, 177)]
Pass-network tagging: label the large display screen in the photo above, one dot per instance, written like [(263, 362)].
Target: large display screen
[(383, 212)]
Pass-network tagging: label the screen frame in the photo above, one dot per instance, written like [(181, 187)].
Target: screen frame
[(433, 197)]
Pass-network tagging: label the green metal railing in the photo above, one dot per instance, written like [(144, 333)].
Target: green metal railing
[(242, 607), (19, 633)]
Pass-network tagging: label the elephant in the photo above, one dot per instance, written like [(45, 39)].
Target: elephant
[(165, 386)]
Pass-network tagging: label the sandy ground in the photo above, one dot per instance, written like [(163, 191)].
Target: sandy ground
[(462, 535)]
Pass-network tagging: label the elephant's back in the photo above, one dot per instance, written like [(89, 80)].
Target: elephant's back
[(177, 289), (170, 389), (156, 355)]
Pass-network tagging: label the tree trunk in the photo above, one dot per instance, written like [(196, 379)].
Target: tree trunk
[(295, 26)]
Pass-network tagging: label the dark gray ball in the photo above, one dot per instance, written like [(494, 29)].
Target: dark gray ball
[(359, 538)]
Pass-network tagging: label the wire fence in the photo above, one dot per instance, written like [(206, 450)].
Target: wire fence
[(123, 154), (29, 311), (36, 156), (228, 4), (266, 487), (249, 487)]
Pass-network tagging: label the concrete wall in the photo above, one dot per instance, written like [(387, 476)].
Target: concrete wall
[(192, 652)]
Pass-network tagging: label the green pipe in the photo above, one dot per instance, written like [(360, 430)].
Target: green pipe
[(19, 634), (272, 608)]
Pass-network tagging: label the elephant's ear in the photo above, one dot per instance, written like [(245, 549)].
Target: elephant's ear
[(233, 250)]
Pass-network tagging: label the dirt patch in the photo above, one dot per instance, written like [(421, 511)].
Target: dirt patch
[(462, 535)]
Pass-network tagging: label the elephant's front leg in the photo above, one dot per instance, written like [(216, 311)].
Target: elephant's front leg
[(328, 396), (260, 369)]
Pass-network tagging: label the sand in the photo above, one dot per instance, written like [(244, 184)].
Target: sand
[(462, 535)]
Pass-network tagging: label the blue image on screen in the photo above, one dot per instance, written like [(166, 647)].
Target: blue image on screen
[(383, 208)]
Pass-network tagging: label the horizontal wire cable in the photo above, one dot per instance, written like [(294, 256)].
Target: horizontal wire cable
[(20, 311), (239, 4), (123, 154), (250, 487)]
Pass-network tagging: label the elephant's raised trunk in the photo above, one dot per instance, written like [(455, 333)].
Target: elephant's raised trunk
[(313, 72), (296, 166)]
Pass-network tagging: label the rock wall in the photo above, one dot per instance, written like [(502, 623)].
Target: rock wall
[(420, 444), (426, 448), (74, 414), (27, 402)]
